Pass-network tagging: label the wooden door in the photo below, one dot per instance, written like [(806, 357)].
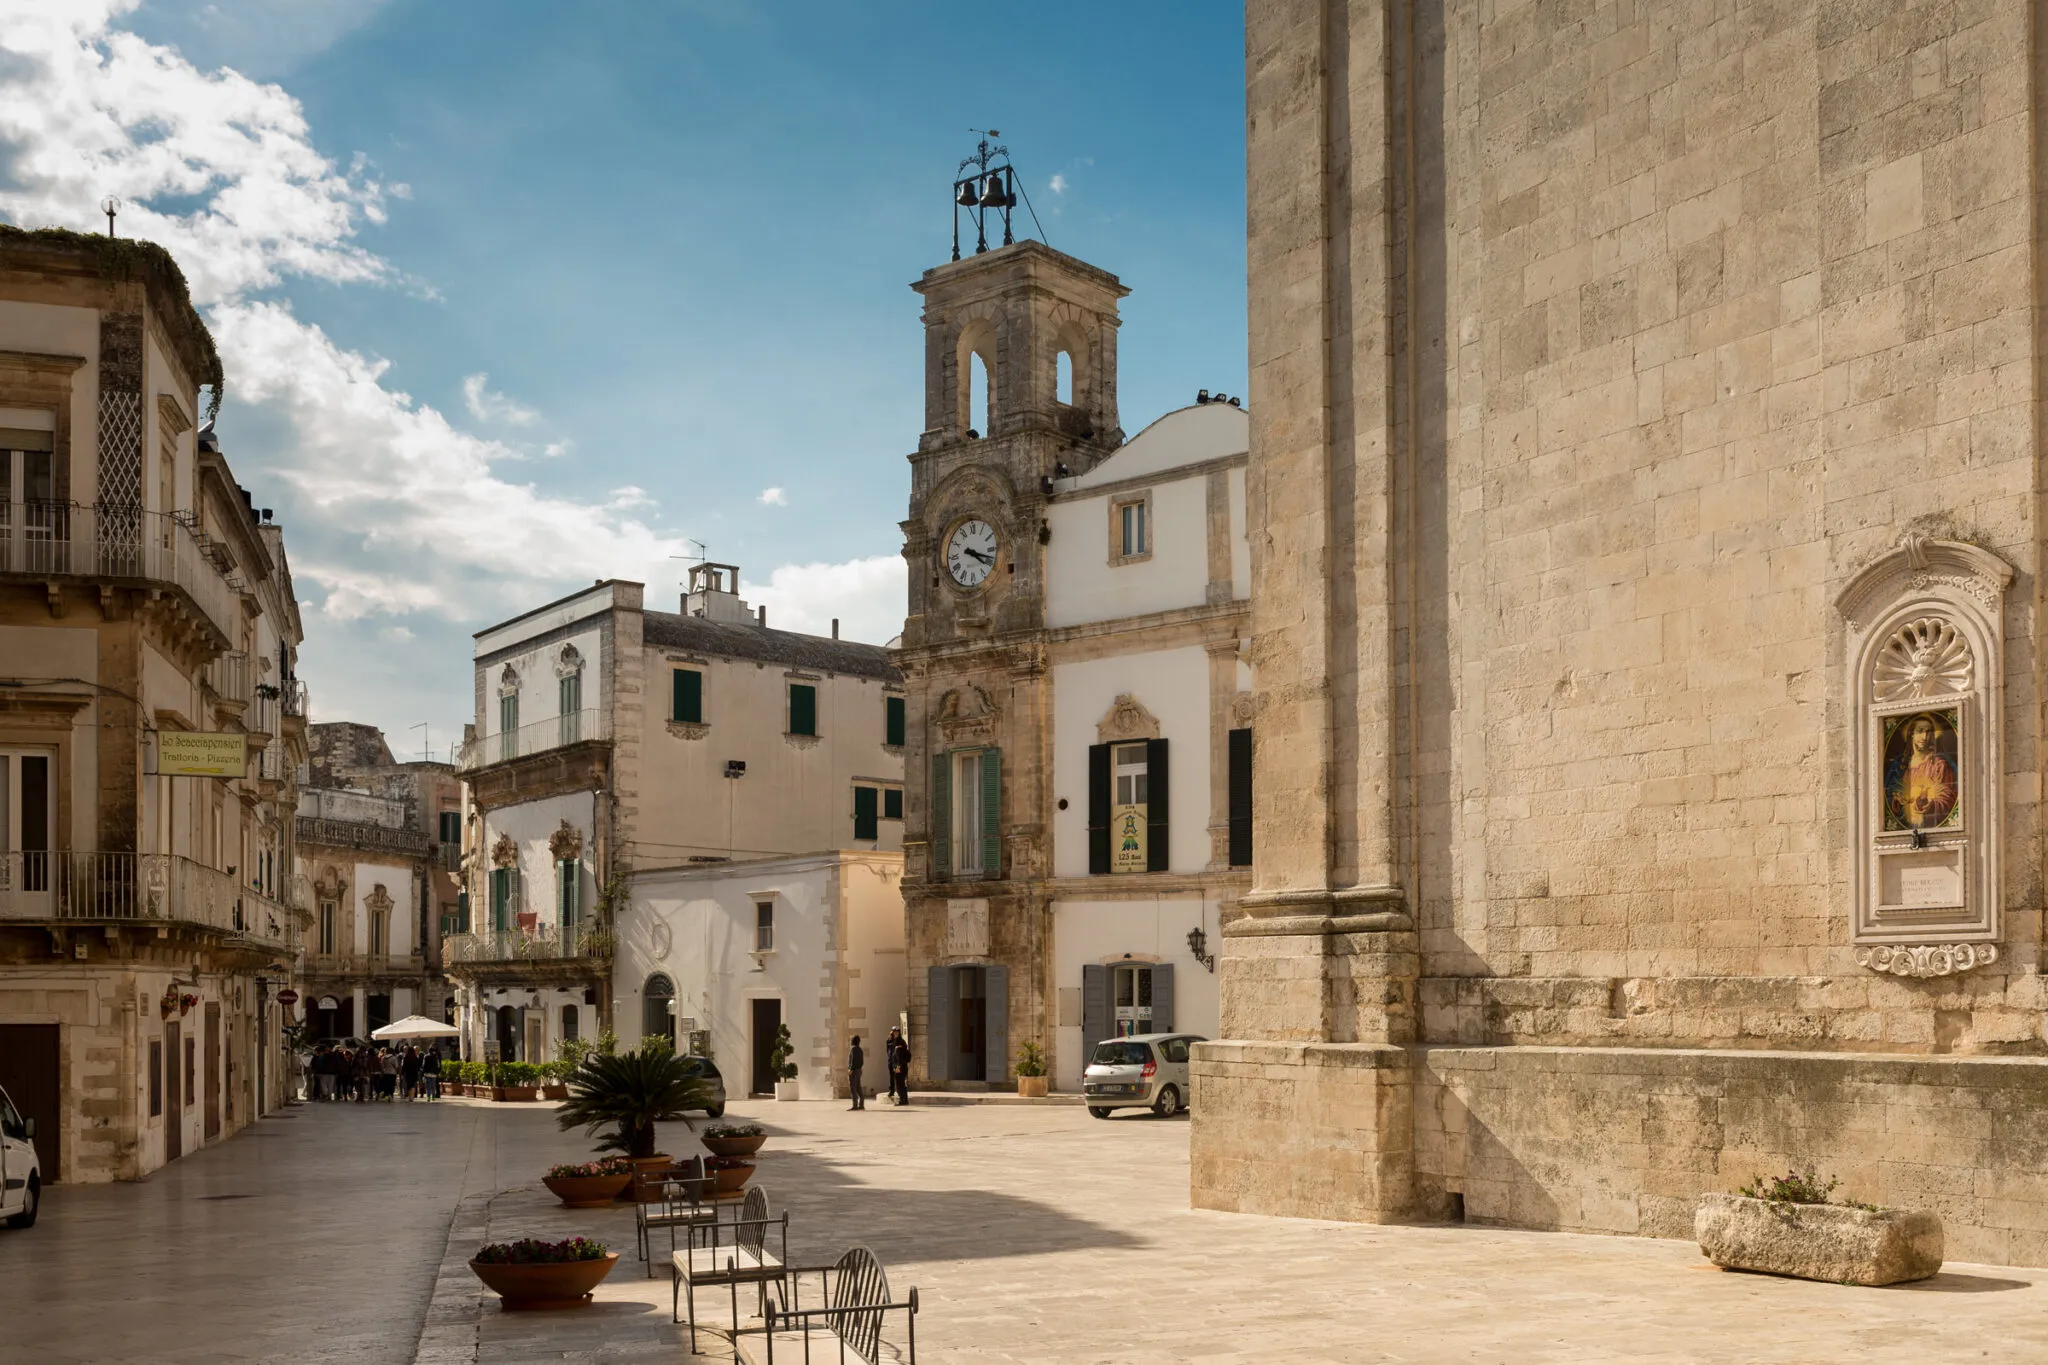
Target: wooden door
[(767, 1024), (174, 1092), (211, 1111), (28, 1072)]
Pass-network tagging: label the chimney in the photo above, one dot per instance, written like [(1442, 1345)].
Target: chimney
[(835, 627), (764, 618)]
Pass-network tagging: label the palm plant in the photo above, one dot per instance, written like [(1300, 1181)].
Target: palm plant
[(618, 1098)]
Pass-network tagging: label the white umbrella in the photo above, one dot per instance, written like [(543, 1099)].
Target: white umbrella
[(417, 1026)]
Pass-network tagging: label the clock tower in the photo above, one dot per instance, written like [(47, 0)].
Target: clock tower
[(1019, 388)]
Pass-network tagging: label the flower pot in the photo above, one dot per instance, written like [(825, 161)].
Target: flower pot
[(651, 1165), (1032, 1086), (554, 1092), (587, 1191), (785, 1090), (517, 1094), (565, 1285), (454, 1088), (734, 1146), (730, 1178), (1818, 1241)]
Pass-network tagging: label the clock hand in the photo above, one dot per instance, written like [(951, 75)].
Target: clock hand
[(989, 560)]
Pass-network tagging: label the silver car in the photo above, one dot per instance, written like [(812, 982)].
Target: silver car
[(1147, 1071)]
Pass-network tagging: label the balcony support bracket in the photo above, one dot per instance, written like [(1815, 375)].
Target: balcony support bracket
[(55, 592)]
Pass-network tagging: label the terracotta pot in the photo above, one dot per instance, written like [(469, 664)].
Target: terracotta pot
[(1032, 1086), (730, 1178), (651, 1165), (734, 1146), (554, 1092), (566, 1285), (587, 1191), (516, 1093), (454, 1088)]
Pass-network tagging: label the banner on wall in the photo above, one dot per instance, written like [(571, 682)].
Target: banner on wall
[(1127, 839), (188, 753)]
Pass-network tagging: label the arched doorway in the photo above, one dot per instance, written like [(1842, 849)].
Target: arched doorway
[(508, 1034), (658, 1008)]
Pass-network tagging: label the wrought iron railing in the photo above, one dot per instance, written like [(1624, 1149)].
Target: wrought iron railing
[(294, 697), (228, 677), (541, 943), (555, 732), (49, 540), (361, 834), (138, 887)]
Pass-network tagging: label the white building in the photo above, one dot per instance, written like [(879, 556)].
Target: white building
[(730, 952), (1145, 612)]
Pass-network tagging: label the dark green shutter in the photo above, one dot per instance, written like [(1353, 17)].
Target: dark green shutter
[(1098, 809), (866, 823), (462, 912), (501, 898), (689, 696), (938, 816), (893, 721), (991, 813), (1155, 806), (1240, 798), (803, 709), (892, 803), (572, 891), (941, 1012)]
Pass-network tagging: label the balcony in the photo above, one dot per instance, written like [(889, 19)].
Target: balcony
[(227, 677), (47, 541), (139, 888), (556, 732), (360, 834), (542, 943)]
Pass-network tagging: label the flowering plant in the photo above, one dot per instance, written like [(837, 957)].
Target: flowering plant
[(726, 1163), (584, 1170), (533, 1251), (733, 1130)]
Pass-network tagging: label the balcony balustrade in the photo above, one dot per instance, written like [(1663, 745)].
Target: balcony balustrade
[(555, 732), (540, 943), (47, 541), (228, 678), (139, 888)]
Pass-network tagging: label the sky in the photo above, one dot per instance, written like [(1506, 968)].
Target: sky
[(514, 296)]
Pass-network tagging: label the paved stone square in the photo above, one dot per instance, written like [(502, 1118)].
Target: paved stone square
[(1034, 1233)]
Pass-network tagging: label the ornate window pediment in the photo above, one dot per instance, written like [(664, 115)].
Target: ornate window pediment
[(1127, 719), (1925, 702), (967, 713), (566, 843), (508, 682), (504, 853), (569, 662)]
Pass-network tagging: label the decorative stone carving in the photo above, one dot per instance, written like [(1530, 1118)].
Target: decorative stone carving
[(1927, 959), (684, 729), (569, 662), (1924, 658), (504, 853), (329, 884), (1127, 719), (508, 682), (966, 712), (379, 899), (566, 843), (967, 928), (1243, 706), (661, 940)]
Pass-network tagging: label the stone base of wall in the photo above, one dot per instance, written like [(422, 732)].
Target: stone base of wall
[(1619, 1140)]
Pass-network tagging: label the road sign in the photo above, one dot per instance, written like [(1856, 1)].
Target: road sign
[(287, 997)]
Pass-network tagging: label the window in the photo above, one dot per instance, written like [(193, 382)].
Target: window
[(892, 721), (658, 1008), (764, 926), (570, 693), (866, 813), (686, 691), (380, 932), (965, 829), (1240, 798), (191, 1071), (1127, 789), (569, 890), (156, 1077), (572, 1023), (1131, 530), (451, 920), (30, 515), (803, 709), (25, 820), (451, 827), (508, 727), (967, 812), (1063, 378), (327, 926), (462, 911), (1133, 1001), (892, 803), (504, 895)]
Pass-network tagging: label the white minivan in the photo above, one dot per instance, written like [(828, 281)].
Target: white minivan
[(21, 1177)]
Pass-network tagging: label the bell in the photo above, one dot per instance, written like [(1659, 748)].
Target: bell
[(992, 196), (963, 194)]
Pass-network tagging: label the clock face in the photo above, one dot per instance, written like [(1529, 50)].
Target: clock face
[(971, 552)]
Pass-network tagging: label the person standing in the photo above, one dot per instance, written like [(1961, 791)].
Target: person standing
[(409, 1067), (855, 1059), (896, 1052)]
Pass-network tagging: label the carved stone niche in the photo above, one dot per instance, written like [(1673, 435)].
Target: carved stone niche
[(566, 843), (569, 662), (508, 682), (1925, 694), (1127, 719), (966, 713)]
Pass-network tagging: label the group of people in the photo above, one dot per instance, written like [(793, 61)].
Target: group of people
[(895, 1055), (365, 1072)]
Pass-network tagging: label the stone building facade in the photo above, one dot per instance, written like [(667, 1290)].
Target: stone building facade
[(1646, 608)]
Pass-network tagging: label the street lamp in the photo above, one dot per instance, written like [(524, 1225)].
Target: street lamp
[(1198, 942)]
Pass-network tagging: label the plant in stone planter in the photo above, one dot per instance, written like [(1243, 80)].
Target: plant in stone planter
[(734, 1139), (783, 1069), (728, 1172), (518, 1081), (620, 1097), (589, 1184), (536, 1274), (1786, 1225), (1030, 1068)]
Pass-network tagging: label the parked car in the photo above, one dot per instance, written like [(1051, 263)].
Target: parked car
[(703, 1066), (21, 1176), (1147, 1071)]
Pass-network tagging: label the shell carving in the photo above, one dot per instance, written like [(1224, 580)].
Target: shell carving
[(1926, 658)]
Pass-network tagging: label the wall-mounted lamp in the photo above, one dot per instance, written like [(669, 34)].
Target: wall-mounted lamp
[(1198, 943)]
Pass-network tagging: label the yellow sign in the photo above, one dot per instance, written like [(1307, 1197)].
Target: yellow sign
[(186, 753), (1127, 839)]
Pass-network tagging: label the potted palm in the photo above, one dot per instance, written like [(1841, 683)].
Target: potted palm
[(1031, 1079), (536, 1274), (618, 1098), (779, 1063)]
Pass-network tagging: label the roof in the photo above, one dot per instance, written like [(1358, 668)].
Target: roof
[(1186, 436), (734, 640)]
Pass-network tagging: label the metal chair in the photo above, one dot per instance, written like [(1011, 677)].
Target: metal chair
[(731, 1254), (677, 1197), (854, 1301)]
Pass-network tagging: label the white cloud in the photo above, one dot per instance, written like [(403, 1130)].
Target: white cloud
[(867, 596), (773, 497), (488, 406), (397, 635), (1058, 184)]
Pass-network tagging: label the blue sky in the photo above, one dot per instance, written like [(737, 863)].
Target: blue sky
[(634, 266)]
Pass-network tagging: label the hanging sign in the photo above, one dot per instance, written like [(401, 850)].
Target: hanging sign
[(328, 1002), (1127, 834), (188, 753), (287, 997)]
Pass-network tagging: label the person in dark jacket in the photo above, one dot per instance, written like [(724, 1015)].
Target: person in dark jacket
[(855, 1059), (897, 1054)]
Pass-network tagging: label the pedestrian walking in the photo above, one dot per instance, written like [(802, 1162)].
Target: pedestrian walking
[(409, 1070), (430, 1074), (896, 1053), (855, 1058), (387, 1074)]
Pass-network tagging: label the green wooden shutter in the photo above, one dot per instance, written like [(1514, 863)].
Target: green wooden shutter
[(1155, 806), (462, 912), (1098, 809), (688, 696), (1240, 798), (893, 721), (991, 813), (892, 803), (866, 819), (803, 709), (570, 873), (938, 816), (501, 896)]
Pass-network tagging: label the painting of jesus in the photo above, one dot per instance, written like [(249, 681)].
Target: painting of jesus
[(1921, 776)]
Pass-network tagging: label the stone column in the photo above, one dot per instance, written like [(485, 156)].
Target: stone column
[(361, 1019)]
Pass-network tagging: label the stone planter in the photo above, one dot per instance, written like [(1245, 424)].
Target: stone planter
[(785, 1090), (1818, 1241), (566, 1285), (730, 1178), (1033, 1087), (651, 1165), (554, 1092), (734, 1146), (517, 1094), (587, 1191)]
